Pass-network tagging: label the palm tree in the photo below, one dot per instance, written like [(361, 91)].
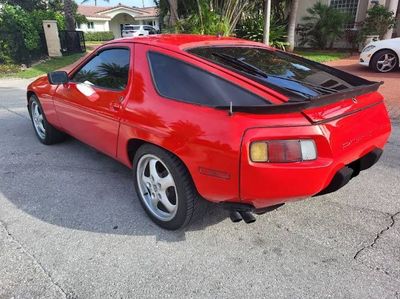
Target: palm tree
[(69, 15), (173, 12), (95, 1), (113, 75), (267, 19), (324, 26), (292, 24), (232, 10)]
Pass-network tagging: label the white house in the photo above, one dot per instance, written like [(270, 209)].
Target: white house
[(113, 18), (357, 9)]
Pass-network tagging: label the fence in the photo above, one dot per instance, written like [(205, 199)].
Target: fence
[(12, 47), (72, 41)]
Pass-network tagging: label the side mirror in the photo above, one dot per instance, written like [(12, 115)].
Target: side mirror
[(57, 77)]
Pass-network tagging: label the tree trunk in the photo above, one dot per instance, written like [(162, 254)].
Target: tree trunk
[(292, 24), (200, 16), (173, 12), (267, 19), (69, 15), (392, 7)]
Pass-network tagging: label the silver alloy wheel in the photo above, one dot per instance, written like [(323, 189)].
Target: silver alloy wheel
[(38, 121), (386, 63), (157, 187)]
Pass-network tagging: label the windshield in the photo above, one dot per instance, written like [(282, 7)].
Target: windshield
[(131, 27), (277, 68)]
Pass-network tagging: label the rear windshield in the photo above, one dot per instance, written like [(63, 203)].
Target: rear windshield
[(131, 27), (288, 72)]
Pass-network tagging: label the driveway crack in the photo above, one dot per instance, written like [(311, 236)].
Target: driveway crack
[(378, 235), (13, 112), (41, 267)]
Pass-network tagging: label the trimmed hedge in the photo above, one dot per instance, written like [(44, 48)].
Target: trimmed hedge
[(99, 36)]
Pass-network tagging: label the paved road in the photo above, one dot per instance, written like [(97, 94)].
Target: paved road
[(71, 226)]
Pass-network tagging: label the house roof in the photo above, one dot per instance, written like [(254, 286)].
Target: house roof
[(101, 11), (91, 11)]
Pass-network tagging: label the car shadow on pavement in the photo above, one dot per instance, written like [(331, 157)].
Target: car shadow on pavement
[(73, 186)]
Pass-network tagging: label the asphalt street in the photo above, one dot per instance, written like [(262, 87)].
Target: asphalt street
[(71, 226)]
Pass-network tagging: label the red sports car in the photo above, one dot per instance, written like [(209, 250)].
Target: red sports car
[(222, 119)]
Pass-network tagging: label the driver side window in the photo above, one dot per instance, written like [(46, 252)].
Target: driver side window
[(108, 69)]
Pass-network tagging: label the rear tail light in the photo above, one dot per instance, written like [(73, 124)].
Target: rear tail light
[(283, 151)]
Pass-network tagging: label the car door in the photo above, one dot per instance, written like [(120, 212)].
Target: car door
[(88, 106)]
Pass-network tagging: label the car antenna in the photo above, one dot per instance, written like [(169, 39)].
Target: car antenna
[(230, 109)]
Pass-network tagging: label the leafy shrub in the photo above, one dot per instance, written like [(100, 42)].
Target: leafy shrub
[(379, 19), (8, 69), (253, 29), (204, 22), (99, 36), (16, 19), (324, 25), (39, 15), (19, 37)]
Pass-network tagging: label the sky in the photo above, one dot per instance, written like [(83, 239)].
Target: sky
[(138, 3)]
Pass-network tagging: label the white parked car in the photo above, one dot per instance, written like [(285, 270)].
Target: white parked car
[(138, 30), (381, 56)]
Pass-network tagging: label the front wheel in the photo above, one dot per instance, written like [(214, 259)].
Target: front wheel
[(45, 132), (384, 61), (165, 188)]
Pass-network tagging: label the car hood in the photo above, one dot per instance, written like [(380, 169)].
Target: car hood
[(391, 43)]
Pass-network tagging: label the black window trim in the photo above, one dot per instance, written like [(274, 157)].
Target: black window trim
[(267, 103), (96, 53)]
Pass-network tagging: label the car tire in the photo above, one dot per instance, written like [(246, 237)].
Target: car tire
[(165, 188), (384, 61), (45, 132)]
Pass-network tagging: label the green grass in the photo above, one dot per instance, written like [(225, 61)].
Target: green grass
[(45, 67), (322, 56), (91, 45), (94, 43)]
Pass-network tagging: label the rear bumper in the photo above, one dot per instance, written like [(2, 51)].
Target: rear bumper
[(344, 175), (345, 146)]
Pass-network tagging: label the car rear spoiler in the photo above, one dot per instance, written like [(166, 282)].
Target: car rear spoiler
[(305, 103)]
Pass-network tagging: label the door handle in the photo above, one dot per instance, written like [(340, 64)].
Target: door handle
[(116, 106)]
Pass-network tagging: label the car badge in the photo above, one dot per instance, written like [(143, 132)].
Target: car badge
[(354, 100)]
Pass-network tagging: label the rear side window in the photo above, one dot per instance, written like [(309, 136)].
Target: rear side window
[(108, 69), (178, 80)]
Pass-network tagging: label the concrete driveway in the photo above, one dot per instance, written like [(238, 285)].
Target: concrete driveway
[(71, 226)]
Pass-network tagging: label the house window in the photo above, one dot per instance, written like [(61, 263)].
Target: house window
[(347, 6), (90, 25)]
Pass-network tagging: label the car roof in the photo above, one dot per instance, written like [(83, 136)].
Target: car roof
[(185, 41)]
